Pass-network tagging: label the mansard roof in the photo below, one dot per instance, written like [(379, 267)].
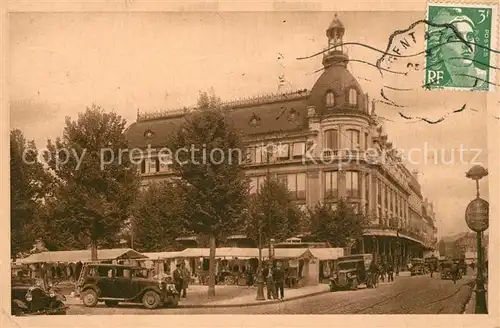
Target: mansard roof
[(257, 116)]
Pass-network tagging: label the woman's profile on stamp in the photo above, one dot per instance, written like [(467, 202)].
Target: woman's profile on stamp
[(454, 60)]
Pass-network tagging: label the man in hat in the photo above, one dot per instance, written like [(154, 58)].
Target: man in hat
[(186, 277), (178, 278)]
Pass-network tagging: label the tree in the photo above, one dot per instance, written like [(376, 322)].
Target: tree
[(208, 100), (30, 183), (336, 226), (99, 182), (158, 217), (212, 182), (273, 210)]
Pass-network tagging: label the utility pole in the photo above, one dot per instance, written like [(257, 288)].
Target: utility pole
[(268, 191), (260, 282), (477, 218)]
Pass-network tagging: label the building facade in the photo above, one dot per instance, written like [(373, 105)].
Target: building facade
[(462, 245), (327, 144)]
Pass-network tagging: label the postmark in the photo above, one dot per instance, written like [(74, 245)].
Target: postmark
[(458, 44)]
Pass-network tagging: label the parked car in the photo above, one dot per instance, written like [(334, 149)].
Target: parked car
[(28, 298), (351, 271), (447, 273), (461, 265), (418, 267), (114, 283)]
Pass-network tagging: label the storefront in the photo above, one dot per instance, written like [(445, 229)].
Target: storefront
[(327, 258)]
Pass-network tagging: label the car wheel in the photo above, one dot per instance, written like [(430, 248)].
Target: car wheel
[(354, 284), (89, 298), (175, 301), (111, 303), (16, 311), (151, 299), (56, 305)]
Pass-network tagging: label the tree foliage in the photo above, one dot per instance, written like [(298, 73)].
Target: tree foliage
[(158, 217), (30, 183), (337, 226), (97, 186), (274, 212), (212, 181), (208, 100)]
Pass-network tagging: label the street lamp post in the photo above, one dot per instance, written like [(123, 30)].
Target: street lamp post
[(477, 216), (398, 253), (260, 278), (260, 282), (374, 241)]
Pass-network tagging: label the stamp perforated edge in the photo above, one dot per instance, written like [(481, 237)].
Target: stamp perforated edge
[(493, 77)]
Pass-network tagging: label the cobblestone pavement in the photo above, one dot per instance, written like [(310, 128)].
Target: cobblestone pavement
[(407, 295)]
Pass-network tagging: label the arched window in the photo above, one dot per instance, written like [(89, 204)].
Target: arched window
[(353, 97), (329, 99)]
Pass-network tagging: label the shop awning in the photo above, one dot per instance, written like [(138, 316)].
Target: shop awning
[(221, 252), (247, 253), (325, 254), (82, 256), (288, 253), (161, 255)]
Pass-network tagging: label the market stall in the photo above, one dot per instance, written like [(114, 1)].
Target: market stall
[(299, 263), (66, 265), (160, 262), (327, 261)]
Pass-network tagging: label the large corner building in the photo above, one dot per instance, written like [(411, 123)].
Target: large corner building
[(335, 122)]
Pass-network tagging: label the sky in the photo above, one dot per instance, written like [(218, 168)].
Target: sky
[(61, 63)]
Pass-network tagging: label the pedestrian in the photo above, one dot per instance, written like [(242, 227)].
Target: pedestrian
[(382, 271), (186, 277), (279, 280), (249, 276), (374, 273), (390, 272), (472, 265), (454, 271), (268, 274), (178, 278)]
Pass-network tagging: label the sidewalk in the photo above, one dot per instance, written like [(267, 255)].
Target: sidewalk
[(471, 304), (230, 296), (249, 298)]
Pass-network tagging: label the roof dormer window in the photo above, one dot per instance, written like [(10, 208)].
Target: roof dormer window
[(353, 97), (329, 99)]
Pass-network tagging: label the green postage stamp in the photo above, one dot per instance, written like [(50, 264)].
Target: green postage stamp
[(461, 41)]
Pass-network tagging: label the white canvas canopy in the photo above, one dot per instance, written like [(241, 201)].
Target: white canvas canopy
[(82, 256), (326, 254)]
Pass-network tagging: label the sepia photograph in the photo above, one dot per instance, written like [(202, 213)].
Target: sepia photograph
[(252, 162)]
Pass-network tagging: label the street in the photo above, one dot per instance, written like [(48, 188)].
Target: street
[(407, 295)]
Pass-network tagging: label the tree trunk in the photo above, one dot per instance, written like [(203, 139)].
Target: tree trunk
[(211, 268), (93, 250)]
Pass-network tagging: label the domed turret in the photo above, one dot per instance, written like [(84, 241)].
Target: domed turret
[(334, 54), (336, 89)]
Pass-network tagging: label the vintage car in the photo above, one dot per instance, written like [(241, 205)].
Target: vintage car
[(114, 283), (446, 271), (418, 267), (351, 271), (461, 265), (28, 298)]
